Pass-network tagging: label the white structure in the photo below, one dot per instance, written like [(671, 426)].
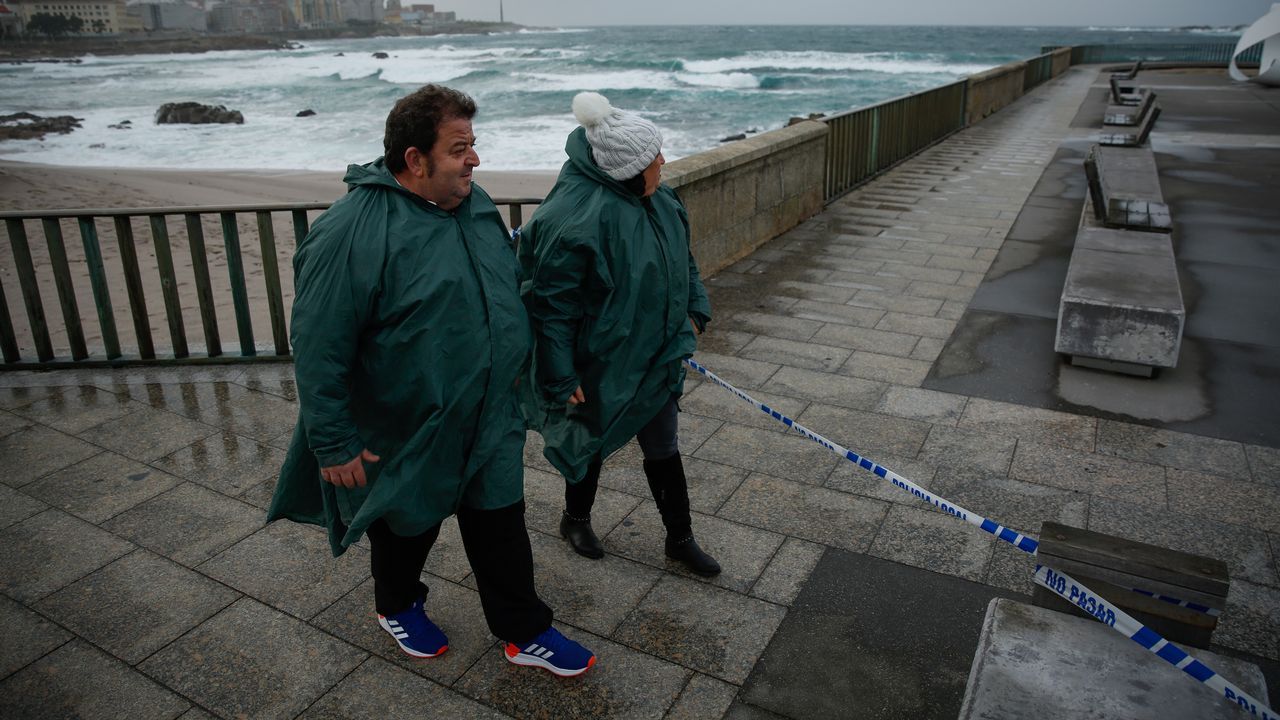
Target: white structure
[(1266, 31)]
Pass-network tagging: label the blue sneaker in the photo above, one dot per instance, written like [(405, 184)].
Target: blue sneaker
[(553, 652), (414, 632)]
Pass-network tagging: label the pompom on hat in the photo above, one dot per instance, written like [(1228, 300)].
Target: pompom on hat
[(622, 143)]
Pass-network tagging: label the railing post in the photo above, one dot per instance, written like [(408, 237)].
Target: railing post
[(517, 216), (169, 286), (66, 290), (30, 289), (271, 271), (239, 295), (204, 288), (8, 339), (101, 291), (133, 286)]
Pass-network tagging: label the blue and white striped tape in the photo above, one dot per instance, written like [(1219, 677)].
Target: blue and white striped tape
[(1059, 583), (1106, 613)]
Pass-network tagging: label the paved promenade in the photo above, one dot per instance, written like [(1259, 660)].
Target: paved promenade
[(139, 581)]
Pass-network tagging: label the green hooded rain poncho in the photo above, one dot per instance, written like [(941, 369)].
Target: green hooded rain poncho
[(611, 286), (409, 338)]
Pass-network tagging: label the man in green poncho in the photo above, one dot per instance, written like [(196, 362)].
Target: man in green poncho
[(615, 297), (409, 339)]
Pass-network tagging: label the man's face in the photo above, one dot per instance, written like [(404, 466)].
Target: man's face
[(653, 175), (444, 174)]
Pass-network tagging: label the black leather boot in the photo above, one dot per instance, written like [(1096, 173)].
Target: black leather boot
[(575, 522), (580, 536), (670, 491)]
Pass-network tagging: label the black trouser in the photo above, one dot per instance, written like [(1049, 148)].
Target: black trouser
[(658, 439), (497, 545)]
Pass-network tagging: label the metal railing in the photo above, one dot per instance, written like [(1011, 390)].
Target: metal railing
[(1038, 70), (1216, 53), (93, 272), (868, 140)]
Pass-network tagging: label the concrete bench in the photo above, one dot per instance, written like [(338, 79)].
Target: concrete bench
[(1129, 114), (1136, 137), (1121, 305), (1125, 187), (1035, 663)]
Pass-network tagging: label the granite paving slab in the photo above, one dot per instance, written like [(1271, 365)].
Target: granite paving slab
[(101, 487), (10, 423), (50, 550), (378, 690), (811, 355), (258, 415), (886, 368), (77, 408), (1246, 552), (455, 609), (594, 595), (225, 462), (1251, 620), (866, 433), (919, 404), (16, 505), (252, 661), (823, 516), (722, 340), (188, 524), (710, 483), (1175, 449), (28, 636), (1092, 473), (147, 434), (741, 551), (705, 628), (838, 313), (778, 326), (876, 340), (290, 567), (958, 447), (448, 558), (703, 697), (739, 371), (273, 378), (1029, 423), (1264, 462), (847, 635), (136, 605), (1215, 497), (79, 681), (1012, 569), (855, 479), (624, 683), (1014, 504), (789, 456), (932, 540), (713, 401), (35, 451), (829, 388), (544, 498), (787, 570)]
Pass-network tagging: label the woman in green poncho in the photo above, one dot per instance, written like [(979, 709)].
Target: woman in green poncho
[(615, 298)]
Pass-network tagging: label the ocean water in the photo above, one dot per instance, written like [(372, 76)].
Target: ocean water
[(699, 84)]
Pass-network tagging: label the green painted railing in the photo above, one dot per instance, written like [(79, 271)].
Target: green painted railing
[(866, 141), (188, 292), (1215, 53)]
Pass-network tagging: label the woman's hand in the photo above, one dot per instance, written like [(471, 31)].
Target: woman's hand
[(577, 398)]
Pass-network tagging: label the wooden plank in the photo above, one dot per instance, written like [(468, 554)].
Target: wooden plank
[(30, 288), (271, 271), (204, 288), (169, 286), (133, 286), (8, 339), (239, 295), (1129, 581), (299, 227), (101, 291), (66, 290), (1196, 572)]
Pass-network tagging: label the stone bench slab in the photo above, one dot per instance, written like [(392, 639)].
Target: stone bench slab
[(1133, 138), (1037, 663), (1124, 185), (1129, 114)]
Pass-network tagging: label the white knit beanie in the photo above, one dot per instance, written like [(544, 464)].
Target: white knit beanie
[(622, 143)]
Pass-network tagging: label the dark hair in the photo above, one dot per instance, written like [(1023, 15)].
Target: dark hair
[(415, 121), (635, 184)]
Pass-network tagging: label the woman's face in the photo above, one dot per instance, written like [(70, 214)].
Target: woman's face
[(653, 175)]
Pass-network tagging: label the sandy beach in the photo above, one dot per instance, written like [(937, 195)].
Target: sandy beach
[(26, 186)]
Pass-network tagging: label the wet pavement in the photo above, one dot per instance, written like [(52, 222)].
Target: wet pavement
[(912, 321)]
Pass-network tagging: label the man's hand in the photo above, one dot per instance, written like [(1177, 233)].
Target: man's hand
[(577, 397), (694, 325), (349, 474)]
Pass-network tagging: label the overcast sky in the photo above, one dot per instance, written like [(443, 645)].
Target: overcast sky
[(1156, 13)]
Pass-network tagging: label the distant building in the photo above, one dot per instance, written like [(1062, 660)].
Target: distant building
[(445, 17), (250, 16), (361, 11), (392, 14), (316, 13), (107, 17), (10, 22), (172, 15)]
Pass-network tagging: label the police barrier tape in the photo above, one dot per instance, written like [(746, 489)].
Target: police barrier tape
[(1106, 613), (1076, 593)]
